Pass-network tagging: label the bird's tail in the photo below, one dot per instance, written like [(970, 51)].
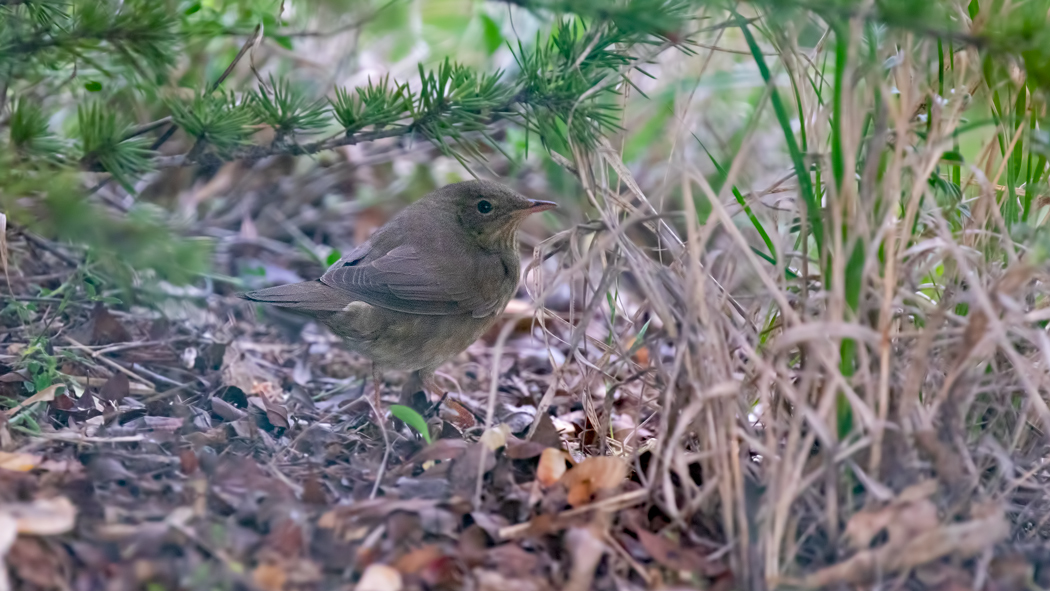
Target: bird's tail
[(309, 296)]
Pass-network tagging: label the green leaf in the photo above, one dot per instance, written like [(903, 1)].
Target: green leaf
[(93, 86), (333, 257), (412, 419), (493, 36)]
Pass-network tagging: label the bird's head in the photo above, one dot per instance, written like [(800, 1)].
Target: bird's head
[(490, 212)]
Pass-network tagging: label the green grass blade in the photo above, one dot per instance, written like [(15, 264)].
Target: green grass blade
[(412, 419), (805, 183)]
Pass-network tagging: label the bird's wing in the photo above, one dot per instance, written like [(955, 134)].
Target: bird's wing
[(404, 281)]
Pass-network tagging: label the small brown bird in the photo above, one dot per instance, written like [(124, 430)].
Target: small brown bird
[(426, 285)]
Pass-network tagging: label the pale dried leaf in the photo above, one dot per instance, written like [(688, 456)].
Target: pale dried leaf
[(45, 395), (496, 437), (18, 462), (380, 577), (42, 517), (587, 550), (552, 466)]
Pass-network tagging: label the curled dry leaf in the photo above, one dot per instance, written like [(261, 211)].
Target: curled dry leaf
[(18, 462), (458, 415), (591, 476), (551, 467), (380, 577)]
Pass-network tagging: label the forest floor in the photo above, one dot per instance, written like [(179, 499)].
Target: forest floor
[(199, 443)]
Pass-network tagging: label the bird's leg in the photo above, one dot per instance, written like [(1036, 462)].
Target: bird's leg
[(430, 385), (377, 380)]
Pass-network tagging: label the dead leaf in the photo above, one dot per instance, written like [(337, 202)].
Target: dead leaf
[(552, 466), (241, 371), (45, 395), (42, 517), (442, 449), (313, 491), (458, 415), (495, 437), (592, 475), (379, 577), (188, 461), (105, 328), (520, 449), (116, 388), (490, 580), (673, 556), (463, 475), (417, 559), (226, 411), (269, 576), (546, 432), (587, 550), (963, 540), (18, 462), (908, 515)]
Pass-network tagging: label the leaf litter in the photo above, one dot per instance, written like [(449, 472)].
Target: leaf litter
[(202, 444)]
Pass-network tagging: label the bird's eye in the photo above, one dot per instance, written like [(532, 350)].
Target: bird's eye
[(484, 206)]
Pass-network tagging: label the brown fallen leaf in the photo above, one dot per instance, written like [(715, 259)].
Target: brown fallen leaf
[(18, 462), (458, 415), (105, 328), (520, 449), (592, 475), (442, 449), (269, 577), (673, 556), (418, 558), (116, 388)]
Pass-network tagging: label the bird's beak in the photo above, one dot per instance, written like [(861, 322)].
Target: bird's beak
[(536, 206)]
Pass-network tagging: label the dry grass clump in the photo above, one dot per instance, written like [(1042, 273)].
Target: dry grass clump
[(867, 401)]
